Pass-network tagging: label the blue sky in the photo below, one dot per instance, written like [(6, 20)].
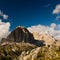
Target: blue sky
[(29, 12), (41, 16)]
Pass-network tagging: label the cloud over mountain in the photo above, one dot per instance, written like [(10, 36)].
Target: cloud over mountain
[(53, 29), (4, 29), (4, 26)]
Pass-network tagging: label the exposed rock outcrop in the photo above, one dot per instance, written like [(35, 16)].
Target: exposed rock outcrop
[(21, 34), (26, 51), (29, 56), (40, 53)]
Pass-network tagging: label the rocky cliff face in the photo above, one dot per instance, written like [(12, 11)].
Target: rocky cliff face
[(20, 34)]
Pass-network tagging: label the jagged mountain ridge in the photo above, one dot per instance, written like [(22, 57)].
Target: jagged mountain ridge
[(21, 34), (23, 45)]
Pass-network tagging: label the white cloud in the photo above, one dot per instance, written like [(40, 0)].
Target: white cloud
[(4, 29), (3, 15), (56, 10), (53, 25), (53, 29), (58, 17)]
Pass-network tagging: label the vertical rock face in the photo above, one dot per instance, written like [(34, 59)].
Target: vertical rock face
[(20, 34)]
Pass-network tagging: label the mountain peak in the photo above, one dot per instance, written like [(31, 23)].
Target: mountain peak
[(20, 34)]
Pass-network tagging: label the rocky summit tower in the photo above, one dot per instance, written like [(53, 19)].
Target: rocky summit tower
[(20, 34)]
